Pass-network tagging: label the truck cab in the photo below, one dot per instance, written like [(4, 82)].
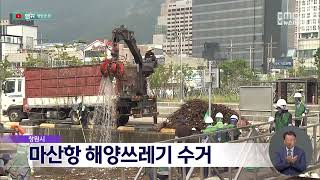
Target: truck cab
[(12, 98)]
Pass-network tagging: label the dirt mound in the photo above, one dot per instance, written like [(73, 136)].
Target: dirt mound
[(193, 113)]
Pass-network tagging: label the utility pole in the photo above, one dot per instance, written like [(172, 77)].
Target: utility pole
[(41, 45), (298, 31), (317, 26), (0, 58), (1, 31), (182, 35), (181, 74), (270, 47), (210, 86), (254, 32), (250, 58), (231, 49), (269, 51)]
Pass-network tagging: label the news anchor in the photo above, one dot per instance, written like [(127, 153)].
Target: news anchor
[(290, 159)]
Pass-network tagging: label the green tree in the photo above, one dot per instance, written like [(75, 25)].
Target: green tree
[(64, 58), (235, 74), (317, 61), (95, 60), (159, 79), (5, 72), (187, 72), (5, 69), (164, 75), (35, 62), (299, 70)]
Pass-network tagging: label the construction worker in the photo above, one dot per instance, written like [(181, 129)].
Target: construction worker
[(282, 117), (209, 127), (208, 120), (233, 124), (82, 113), (299, 110), (220, 136), (149, 56)]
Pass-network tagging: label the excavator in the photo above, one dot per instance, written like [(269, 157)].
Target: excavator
[(81, 101), (131, 78)]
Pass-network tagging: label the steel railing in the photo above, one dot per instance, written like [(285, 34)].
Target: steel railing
[(253, 135)]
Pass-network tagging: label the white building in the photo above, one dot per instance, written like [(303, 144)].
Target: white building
[(307, 30), (307, 49), (17, 38), (308, 25), (179, 30), (98, 49), (160, 34)]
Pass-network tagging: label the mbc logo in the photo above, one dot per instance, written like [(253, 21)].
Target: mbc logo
[(287, 18)]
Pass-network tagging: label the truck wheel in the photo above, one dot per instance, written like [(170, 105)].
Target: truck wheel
[(122, 120), (74, 118), (62, 115), (15, 115)]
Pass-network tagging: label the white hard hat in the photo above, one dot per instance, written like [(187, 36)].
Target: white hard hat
[(219, 115), (297, 95), (150, 48), (281, 102), (271, 119), (234, 117), (208, 120)]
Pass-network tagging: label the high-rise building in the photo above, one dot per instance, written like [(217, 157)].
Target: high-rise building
[(160, 32), (236, 29), (308, 26), (179, 28), (307, 30)]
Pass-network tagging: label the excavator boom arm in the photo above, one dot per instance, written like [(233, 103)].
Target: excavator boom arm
[(127, 36)]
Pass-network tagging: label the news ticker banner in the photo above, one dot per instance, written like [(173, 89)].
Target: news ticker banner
[(149, 155)]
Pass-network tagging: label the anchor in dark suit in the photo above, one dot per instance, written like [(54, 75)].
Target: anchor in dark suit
[(290, 159)]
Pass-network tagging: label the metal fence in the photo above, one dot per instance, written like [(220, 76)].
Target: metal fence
[(254, 134)]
